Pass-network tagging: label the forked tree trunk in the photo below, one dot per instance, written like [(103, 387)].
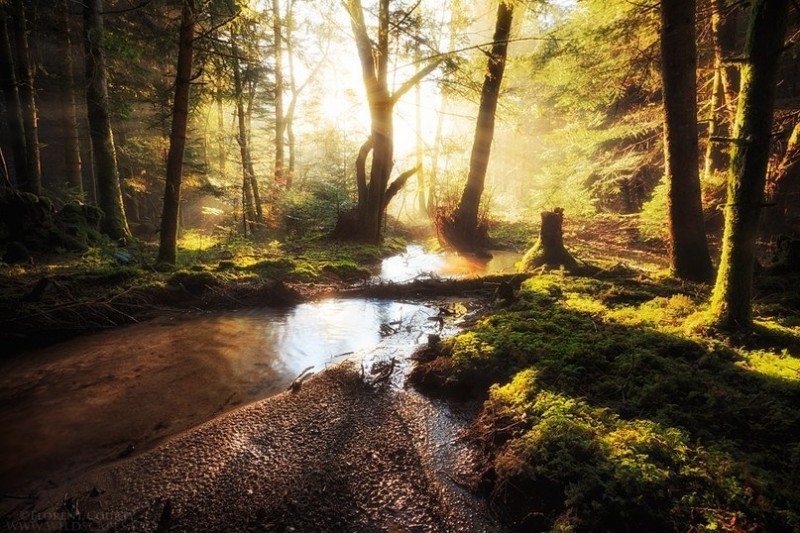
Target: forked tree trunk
[(368, 221), (466, 216), (13, 108), (731, 306), (689, 257), (549, 251), (177, 139), (27, 98), (106, 172)]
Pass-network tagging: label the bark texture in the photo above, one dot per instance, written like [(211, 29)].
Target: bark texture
[(731, 306), (280, 124), (549, 250), (689, 257), (27, 98), (466, 216), (724, 89), (177, 138), (15, 133), (109, 193), (251, 201), (69, 118)]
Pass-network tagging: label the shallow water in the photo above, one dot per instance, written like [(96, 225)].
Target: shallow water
[(415, 263), (86, 401)]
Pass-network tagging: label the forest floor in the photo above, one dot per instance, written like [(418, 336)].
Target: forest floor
[(586, 403)]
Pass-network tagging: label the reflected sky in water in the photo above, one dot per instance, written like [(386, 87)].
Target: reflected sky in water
[(415, 263)]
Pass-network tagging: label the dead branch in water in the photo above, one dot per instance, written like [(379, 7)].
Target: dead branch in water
[(298, 381)]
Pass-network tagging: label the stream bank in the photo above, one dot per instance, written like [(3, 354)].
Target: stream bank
[(337, 455), (99, 402)]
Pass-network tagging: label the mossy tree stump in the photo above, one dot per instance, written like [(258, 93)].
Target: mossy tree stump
[(549, 251)]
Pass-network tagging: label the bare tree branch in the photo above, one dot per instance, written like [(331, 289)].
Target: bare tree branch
[(399, 183), (415, 79)]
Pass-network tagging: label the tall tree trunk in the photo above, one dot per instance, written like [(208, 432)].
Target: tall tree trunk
[(421, 204), (279, 117), (69, 119), (27, 99), (16, 127), (374, 69), (433, 176), (288, 26), (177, 140), (289, 118), (731, 306), (724, 88), (248, 202), (453, 30), (106, 172), (259, 207), (221, 138), (786, 190), (466, 215), (689, 257)]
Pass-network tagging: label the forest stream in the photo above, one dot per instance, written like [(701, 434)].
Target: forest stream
[(94, 400)]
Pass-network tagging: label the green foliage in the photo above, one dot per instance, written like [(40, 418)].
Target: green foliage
[(605, 415), (313, 212), (589, 97)]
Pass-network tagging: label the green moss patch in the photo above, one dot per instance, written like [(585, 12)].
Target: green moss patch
[(605, 413)]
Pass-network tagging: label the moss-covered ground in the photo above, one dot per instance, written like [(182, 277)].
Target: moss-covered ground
[(60, 295), (609, 408)]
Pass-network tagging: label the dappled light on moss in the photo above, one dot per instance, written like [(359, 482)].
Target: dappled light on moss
[(603, 411)]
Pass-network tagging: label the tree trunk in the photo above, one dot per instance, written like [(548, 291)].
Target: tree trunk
[(549, 250), (725, 85), (109, 193), (177, 138), (221, 138), (248, 201), (279, 117), (689, 257), (13, 106), (731, 300), (289, 119), (371, 217), (27, 98), (466, 216), (69, 119), (786, 192), (421, 203), (433, 176), (374, 69)]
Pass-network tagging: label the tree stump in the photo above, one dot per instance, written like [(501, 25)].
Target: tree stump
[(549, 250)]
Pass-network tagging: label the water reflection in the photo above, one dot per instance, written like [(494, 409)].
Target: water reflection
[(318, 332), (415, 263), (84, 401)]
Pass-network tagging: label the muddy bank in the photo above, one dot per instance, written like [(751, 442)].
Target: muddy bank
[(335, 456), (91, 400)]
